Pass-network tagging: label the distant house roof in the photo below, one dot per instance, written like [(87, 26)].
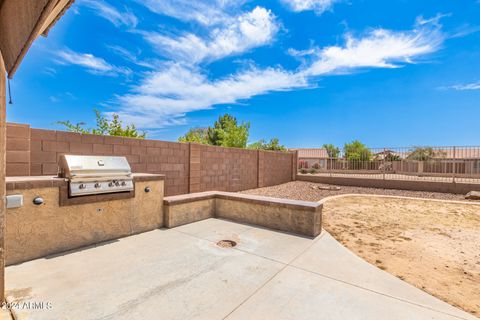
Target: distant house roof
[(386, 151), (459, 153), (312, 153)]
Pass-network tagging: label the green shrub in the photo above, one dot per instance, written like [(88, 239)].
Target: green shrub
[(105, 126)]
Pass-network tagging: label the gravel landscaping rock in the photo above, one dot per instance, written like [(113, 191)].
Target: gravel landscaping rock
[(309, 191)]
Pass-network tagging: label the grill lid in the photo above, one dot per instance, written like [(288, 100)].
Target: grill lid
[(78, 167)]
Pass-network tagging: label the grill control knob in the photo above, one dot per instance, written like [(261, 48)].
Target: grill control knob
[(123, 183), (97, 185), (82, 186), (110, 184), (117, 183)]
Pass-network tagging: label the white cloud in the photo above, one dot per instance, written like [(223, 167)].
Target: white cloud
[(53, 99), (50, 71), (319, 6), (165, 96), (205, 12), (465, 86), (300, 53), (112, 14), (88, 61), (420, 21), (133, 57), (380, 48), (246, 31)]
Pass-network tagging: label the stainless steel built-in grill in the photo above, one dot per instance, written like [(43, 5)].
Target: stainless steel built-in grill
[(96, 174)]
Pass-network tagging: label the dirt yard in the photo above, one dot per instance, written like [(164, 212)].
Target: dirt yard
[(431, 244)]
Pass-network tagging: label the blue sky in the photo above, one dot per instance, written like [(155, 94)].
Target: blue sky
[(389, 73)]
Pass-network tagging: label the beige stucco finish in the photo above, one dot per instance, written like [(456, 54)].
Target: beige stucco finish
[(184, 213), (299, 217), (38, 230), (285, 219), (3, 134), (147, 211)]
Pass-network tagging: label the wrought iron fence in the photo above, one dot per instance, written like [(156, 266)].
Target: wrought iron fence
[(450, 164)]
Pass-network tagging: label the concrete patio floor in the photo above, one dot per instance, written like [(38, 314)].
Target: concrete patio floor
[(181, 273)]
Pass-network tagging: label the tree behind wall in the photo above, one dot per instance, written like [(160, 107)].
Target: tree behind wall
[(425, 154), (226, 132), (358, 155), (105, 126), (272, 145), (357, 151), (332, 151), (196, 135)]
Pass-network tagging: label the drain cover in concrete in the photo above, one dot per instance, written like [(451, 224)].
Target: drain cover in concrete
[(226, 243)]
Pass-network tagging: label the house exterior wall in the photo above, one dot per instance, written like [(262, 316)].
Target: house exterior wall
[(309, 163), (3, 134)]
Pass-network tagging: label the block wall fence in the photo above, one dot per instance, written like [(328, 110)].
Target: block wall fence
[(188, 167)]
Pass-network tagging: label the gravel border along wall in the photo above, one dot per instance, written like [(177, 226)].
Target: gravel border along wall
[(309, 191)]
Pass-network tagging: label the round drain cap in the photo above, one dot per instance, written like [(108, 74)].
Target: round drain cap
[(226, 243)]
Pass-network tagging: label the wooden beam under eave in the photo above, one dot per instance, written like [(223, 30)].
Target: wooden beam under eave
[(60, 8)]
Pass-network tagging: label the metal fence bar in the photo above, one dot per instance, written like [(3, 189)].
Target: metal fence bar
[(454, 169), (384, 158)]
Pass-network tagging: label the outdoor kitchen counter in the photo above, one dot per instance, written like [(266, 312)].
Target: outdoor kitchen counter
[(42, 219), (32, 182), (137, 177)]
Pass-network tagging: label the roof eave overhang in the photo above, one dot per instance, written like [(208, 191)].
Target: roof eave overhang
[(41, 21)]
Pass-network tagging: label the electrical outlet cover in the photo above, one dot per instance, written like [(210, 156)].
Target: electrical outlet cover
[(14, 201)]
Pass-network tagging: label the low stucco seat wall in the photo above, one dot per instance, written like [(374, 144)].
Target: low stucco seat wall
[(300, 217)]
